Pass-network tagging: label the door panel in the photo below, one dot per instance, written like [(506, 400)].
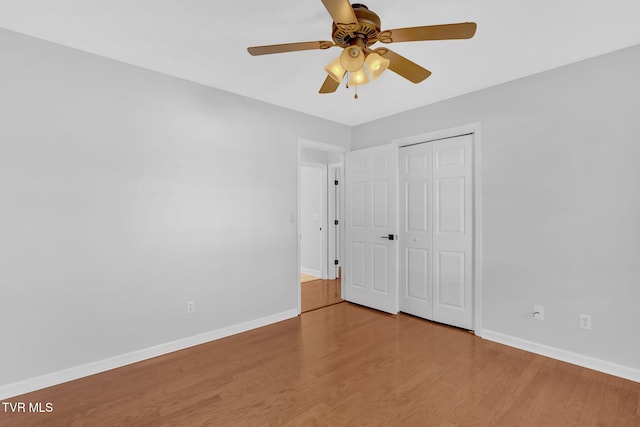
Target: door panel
[(371, 261), (358, 257), (453, 237), (417, 195), (450, 197), (450, 275), (381, 257), (381, 206), (436, 231), (416, 240), (453, 156), (418, 272), (358, 204)]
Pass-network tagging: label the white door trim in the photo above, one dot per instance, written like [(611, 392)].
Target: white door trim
[(471, 128), (309, 143), (333, 212)]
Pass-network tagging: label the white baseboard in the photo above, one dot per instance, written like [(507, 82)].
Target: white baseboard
[(564, 355), (310, 272), (55, 378)]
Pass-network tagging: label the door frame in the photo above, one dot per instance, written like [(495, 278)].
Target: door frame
[(474, 129), (334, 204), (322, 146)]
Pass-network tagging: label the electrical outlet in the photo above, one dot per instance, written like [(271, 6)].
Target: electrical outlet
[(538, 312), (585, 321), (191, 307)]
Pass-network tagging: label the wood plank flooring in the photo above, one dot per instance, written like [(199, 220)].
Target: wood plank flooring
[(307, 278), (319, 293), (342, 365)]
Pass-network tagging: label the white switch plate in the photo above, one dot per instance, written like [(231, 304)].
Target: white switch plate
[(191, 307)]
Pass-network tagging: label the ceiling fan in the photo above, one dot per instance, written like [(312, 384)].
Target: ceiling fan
[(355, 30)]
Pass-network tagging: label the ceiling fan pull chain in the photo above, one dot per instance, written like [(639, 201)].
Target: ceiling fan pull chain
[(356, 95)]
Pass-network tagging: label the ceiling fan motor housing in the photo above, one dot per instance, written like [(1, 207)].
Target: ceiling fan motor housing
[(367, 29)]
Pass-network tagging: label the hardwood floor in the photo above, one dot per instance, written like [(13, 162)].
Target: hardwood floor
[(337, 366), (319, 293), (307, 278)]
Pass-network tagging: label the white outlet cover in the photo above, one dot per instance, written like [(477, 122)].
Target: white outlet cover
[(585, 321)]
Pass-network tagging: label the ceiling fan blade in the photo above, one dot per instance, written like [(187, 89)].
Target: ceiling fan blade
[(341, 12), (329, 85), (463, 30), (288, 47), (402, 66)]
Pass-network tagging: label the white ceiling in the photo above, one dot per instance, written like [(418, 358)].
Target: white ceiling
[(205, 41)]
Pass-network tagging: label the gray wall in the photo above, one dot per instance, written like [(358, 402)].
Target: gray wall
[(125, 193), (560, 201), (312, 155)]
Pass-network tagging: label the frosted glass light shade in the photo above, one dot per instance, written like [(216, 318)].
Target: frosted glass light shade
[(358, 78), (376, 65), (352, 58), (335, 70)]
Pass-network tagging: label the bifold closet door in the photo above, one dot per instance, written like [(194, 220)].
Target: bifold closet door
[(436, 235)]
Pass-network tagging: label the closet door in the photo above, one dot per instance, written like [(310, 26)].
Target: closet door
[(416, 236), (436, 219)]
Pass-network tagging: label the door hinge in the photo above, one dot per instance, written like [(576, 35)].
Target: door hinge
[(335, 222), (335, 182), (335, 262)]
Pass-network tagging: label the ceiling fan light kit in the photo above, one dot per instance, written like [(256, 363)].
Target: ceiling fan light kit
[(358, 78), (376, 64), (335, 70), (352, 58), (356, 28), (362, 67)]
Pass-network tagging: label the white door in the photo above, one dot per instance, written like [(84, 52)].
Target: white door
[(436, 220), (312, 207), (416, 236), (370, 228)]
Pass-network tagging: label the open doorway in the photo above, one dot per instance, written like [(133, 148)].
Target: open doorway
[(320, 236)]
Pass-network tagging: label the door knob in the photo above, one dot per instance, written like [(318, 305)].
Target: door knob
[(390, 237)]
